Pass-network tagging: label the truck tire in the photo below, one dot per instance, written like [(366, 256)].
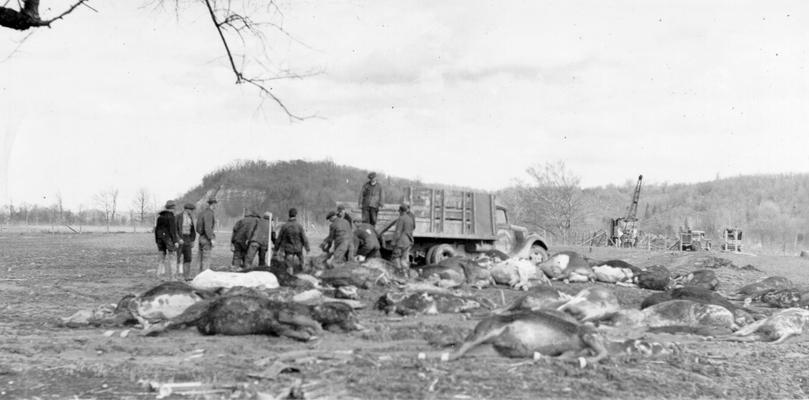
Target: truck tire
[(440, 252)]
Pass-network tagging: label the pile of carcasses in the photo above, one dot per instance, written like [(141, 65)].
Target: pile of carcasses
[(544, 321)]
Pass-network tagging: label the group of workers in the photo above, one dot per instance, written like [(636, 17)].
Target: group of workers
[(175, 234), (253, 236)]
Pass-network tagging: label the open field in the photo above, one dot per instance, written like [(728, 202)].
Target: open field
[(44, 277)]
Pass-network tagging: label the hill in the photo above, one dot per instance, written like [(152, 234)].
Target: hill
[(771, 209), (311, 187)]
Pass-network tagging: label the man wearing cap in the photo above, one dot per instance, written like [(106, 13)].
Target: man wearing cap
[(403, 238), (259, 243), (165, 233), (188, 234), (292, 241), (339, 238), (206, 223), (244, 235), (371, 199)]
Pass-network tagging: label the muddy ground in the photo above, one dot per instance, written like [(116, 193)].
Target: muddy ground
[(44, 277)]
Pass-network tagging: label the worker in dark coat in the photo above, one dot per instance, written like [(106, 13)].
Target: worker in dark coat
[(343, 213), (206, 225), (403, 239), (188, 234), (165, 234), (371, 199), (244, 235), (260, 242), (366, 241), (292, 241), (338, 240)]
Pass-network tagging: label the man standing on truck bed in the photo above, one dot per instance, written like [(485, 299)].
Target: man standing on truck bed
[(371, 199), (403, 239)]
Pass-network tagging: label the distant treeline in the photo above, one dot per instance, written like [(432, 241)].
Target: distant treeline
[(772, 210)]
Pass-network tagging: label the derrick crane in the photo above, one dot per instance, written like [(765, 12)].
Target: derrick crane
[(632, 211), (624, 230)]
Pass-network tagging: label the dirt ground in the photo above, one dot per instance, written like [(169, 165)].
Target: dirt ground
[(44, 277)]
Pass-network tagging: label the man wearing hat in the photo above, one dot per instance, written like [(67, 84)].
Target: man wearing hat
[(403, 238), (165, 233), (339, 238), (371, 199), (259, 241), (244, 236), (188, 234), (292, 241), (206, 223)]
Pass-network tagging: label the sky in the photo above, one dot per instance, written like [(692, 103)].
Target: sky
[(463, 92)]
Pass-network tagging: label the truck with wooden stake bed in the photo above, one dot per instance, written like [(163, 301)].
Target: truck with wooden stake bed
[(456, 222)]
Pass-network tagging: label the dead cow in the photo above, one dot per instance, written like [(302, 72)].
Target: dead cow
[(405, 303), (456, 271), (247, 314), (592, 304), (703, 278), (519, 274), (682, 315), (212, 280), (776, 328), (546, 332), (568, 266), (753, 289), (701, 295), (538, 298)]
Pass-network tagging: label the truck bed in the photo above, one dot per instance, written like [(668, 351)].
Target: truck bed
[(445, 214)]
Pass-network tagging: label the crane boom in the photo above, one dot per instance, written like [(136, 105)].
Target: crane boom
[(632, 211)]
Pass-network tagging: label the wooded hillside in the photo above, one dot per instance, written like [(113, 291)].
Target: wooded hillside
[(773, 210)]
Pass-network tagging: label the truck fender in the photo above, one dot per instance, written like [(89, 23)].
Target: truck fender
[(523, 250)]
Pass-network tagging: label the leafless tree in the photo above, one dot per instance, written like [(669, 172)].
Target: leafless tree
[(107, 201), (60, 208), (243, 28), (142, 204), (553, 199)]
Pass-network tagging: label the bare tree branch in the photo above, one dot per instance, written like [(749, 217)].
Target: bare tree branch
[(238, 23), (27, 16)]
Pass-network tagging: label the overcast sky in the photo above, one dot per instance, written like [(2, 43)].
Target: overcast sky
[(460, 92)]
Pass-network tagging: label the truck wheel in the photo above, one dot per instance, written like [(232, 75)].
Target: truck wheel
[(537, 254), (429, 256), (441, 252)]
